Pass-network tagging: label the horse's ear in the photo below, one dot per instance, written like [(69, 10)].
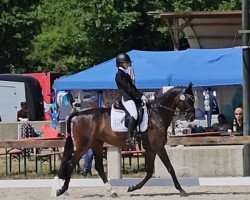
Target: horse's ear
[(189, 89), (190, 86)]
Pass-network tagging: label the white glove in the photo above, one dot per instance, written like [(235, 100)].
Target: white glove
[(144, 98)]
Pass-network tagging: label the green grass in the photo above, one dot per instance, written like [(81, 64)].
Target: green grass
[(131, 172)]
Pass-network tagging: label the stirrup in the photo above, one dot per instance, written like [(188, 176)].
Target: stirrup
[(130, 143), (135, 140)]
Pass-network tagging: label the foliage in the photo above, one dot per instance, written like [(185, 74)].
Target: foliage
[(16, 31), (68, 36), (206, 5), (76, 34)]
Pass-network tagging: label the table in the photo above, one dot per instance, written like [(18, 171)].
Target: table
[(31, 143)]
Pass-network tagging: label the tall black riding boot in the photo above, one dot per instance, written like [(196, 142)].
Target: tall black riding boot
[(131, 129)]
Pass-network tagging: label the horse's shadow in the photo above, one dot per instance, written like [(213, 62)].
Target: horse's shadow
[(93, 195), (191, 194), (169, 194)]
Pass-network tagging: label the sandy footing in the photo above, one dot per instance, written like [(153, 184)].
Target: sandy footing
[(147, 192)]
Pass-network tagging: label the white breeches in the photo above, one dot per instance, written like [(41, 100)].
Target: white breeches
[(131, 108)]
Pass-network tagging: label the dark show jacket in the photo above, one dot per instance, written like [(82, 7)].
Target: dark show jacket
[(126, 88), (22, 114)]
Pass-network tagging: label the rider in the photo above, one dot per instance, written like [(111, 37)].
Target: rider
[(128, 94)]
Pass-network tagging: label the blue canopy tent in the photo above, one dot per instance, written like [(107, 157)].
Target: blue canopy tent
[(155, 69), (209, 67)]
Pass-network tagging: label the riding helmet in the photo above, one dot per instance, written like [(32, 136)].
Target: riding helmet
[(123, 57)]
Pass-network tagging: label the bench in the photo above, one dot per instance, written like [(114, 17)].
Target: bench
[(26, 143), (47, 156), (130, 154), (14, 154)]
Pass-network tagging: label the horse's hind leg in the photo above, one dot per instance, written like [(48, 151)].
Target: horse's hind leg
[(150, 158), (166, 161), (98, 156), (70, 166)]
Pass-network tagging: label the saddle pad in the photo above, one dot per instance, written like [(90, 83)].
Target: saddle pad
[(118, 120)]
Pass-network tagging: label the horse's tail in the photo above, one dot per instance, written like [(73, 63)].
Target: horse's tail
[(68, 149), (69, 146), (68, 124)]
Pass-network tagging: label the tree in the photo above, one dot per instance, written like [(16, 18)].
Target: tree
[(206, 5), (16, 31), (76, 35), (62, 35)]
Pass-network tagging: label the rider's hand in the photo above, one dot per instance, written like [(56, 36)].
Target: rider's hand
[(144, 98)]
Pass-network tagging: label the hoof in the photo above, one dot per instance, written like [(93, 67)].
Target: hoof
[(59, 192), (114, 195), (183, 193), (130, 188)]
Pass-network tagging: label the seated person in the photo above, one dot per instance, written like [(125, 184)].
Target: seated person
[(238, 119), (222, 125), (23, 112), (197, 129)]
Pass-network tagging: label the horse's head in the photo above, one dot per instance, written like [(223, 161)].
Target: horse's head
[(185, 103)]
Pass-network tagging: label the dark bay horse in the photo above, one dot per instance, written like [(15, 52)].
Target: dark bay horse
[(91, 128)]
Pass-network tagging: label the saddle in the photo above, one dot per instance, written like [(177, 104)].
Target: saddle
[(120, 117)]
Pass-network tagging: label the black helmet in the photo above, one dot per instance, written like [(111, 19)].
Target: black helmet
[(123, 57)]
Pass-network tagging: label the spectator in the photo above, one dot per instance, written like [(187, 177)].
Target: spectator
[(238, 120), (26, 130), (23, 112), (222, 125), (87, 165)]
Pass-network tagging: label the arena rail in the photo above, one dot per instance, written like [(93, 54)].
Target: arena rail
[(208, 140), (114, 153)]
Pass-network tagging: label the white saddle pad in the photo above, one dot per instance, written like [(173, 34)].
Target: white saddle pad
[(118, 120)]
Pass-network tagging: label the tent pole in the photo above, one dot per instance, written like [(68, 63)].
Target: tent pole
[(246, 85), (100, 99)]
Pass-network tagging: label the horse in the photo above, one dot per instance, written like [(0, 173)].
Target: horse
[(91, 128)]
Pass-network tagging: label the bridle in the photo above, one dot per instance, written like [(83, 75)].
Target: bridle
[(182, 113)]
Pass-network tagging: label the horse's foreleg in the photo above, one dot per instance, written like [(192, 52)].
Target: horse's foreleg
[(166, 161), (100, 169), (149, 158), (64, 188)]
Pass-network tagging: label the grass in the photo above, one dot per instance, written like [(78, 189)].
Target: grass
[(131, 172)]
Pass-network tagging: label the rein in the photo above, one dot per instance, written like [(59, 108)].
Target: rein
[(167, 108), (190, 97), (183, 113)]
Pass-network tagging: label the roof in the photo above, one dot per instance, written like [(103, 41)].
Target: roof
[(209, 29), (155, 69), (202, 14), (18, 78)]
